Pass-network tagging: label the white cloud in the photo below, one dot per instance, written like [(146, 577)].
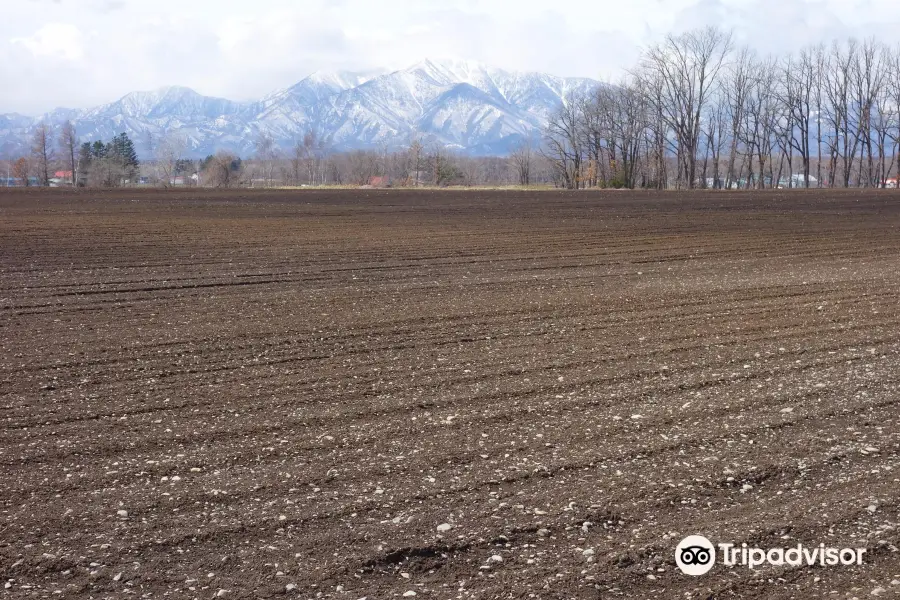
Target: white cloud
[(55, 40), (94, 51)]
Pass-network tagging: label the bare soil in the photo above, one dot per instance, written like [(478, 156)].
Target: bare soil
[(254, 395)]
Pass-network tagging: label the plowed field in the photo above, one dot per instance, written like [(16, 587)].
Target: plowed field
[(445, 394)]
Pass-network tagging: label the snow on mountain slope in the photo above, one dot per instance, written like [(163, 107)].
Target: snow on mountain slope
[(460, 104), (469, 118), (167, 103), (293, 110), (14, 129)]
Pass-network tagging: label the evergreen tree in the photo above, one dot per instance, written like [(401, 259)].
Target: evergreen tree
[(123, 149), (85, 156), (184, 166), (85, 153)]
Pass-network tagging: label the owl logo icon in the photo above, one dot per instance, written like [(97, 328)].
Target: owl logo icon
[(695, 555)]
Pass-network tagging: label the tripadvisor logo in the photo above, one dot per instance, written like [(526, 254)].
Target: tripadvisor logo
[(696, 555)]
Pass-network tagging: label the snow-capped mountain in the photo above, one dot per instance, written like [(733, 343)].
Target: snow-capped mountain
[(463, 105)]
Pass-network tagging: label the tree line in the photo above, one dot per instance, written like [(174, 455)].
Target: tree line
[(699, 111), (312, 161), (110, 164)]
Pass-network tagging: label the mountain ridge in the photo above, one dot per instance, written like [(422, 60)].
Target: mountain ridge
[(463, 105)]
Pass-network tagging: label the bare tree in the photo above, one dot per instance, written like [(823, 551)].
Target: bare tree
[(797, 88), (630, 120), (885, 113), (362, 166), (685, 68), (714, 129), (297, 157), (470, 170), (68, 146), (310, 154), (820, 61), (307, 160), (838, 79), (868, 78), (760, 123), (168, 151), (443, 166), (266, 155), (415, 160), (42, 153), (595, 130), (893, 92), (223, 170), (521, 161), (658, 136), (563, 141), (616, 119), (736, 86), (21, 170)]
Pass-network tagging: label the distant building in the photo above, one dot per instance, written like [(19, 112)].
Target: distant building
[(194, 179), (722, 183), (797, 180), (63, 177), (719, 184)]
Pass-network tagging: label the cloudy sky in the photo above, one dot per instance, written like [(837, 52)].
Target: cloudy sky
[(79, 53)]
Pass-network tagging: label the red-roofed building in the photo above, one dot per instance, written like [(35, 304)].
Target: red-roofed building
[(64, 177)]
